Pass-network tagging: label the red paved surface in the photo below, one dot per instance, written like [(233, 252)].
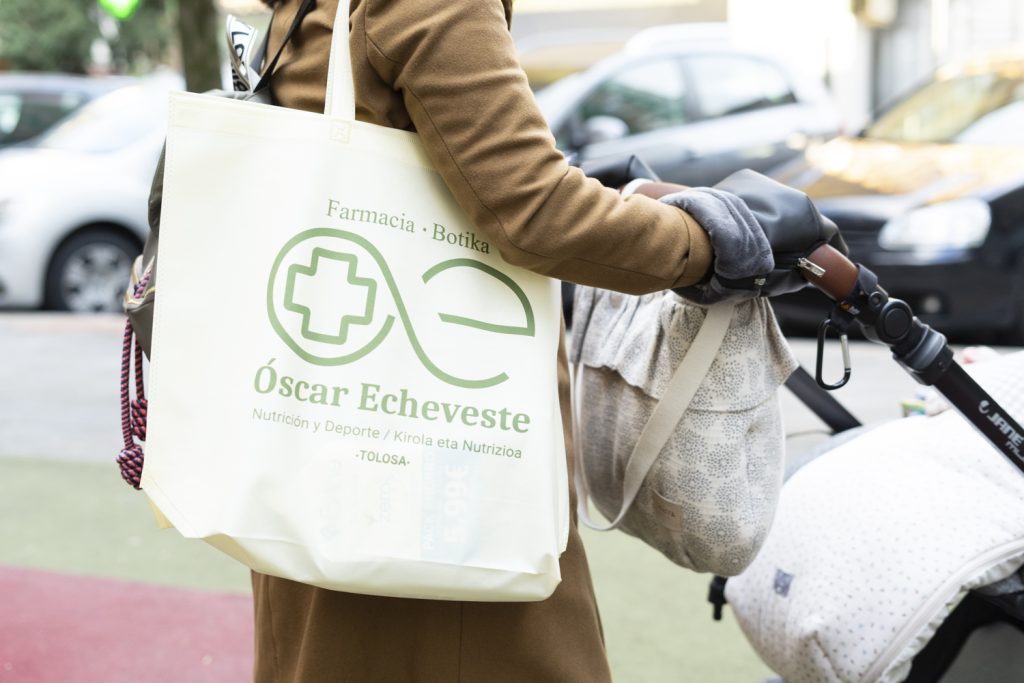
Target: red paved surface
[(57, 628)]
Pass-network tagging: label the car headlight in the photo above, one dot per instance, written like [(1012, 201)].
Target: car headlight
[(956, 224)]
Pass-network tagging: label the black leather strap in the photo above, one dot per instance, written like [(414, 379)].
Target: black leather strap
[(304, 9)]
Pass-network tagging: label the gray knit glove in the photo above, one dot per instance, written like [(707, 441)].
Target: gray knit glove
[(743, 256)]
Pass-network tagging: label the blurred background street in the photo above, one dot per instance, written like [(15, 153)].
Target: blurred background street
[(902, 119)]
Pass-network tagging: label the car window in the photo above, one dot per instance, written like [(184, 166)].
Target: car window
[(1004, 126), (726, 84), (951, 110), (646, 96), (24, 115)]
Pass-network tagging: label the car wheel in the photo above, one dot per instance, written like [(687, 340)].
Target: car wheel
[(90, 272)]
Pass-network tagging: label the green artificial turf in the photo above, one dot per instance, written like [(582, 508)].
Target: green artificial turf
[(657, 620), (82, 519)]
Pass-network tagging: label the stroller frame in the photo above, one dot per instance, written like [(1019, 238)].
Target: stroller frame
[(925, 355)]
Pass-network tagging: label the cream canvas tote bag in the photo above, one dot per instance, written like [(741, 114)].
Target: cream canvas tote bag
[(349, 387)]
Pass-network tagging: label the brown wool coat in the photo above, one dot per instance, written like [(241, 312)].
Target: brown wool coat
[(448, 70)]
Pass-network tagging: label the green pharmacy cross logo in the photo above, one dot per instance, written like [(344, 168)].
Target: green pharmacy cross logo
[(329, 321)]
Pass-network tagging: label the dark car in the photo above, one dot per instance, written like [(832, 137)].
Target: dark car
[(32, 103), (930, 196)]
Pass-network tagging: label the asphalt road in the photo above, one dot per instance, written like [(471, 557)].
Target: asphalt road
[(60, 380)]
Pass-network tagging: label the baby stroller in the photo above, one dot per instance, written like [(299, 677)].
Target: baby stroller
[(915, 575), (896, 554)]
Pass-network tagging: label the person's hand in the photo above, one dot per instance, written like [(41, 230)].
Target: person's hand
[(742, 254), (759, 229)]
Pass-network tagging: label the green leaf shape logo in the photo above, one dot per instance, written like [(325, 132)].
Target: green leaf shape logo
[(528, 329)]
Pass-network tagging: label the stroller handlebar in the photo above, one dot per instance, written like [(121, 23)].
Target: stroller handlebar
[(919, 349), (830, 271)]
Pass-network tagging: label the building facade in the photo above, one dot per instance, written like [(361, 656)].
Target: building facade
[(929, 33)]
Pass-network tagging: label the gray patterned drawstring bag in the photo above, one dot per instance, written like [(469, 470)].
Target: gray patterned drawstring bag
[(677, 426)]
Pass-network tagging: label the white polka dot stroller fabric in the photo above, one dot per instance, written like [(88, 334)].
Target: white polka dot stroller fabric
[(708, 498), (875, 542)]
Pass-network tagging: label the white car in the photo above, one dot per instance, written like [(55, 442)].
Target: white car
[(73, 208), (694, 109)]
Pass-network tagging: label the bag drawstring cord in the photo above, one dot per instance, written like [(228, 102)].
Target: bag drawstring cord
[(133, 413)]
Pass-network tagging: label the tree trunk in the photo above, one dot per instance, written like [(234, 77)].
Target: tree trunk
[(200, 33)]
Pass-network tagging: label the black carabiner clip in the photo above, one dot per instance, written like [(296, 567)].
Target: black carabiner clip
[(844, 344)]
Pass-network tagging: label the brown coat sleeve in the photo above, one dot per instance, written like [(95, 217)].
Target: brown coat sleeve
[(454, 65)]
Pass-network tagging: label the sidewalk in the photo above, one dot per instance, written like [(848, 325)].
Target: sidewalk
[(59, 376)]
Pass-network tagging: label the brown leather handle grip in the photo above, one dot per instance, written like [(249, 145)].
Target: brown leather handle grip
[(835, 275)]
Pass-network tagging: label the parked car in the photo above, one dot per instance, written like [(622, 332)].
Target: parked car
[(694, 110), (31, 103), (930, 196), (73, 207)]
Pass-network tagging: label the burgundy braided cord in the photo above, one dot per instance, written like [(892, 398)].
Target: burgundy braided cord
[(133, 413), (140, 404), (130, 458)]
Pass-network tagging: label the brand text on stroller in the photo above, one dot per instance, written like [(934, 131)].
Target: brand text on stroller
[(1013, 438)]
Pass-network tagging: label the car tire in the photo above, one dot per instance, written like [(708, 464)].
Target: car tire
[(89, 272)]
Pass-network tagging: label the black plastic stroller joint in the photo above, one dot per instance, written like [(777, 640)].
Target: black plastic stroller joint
[(919, 349)]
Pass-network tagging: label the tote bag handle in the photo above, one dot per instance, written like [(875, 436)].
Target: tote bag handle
[(341, 94)]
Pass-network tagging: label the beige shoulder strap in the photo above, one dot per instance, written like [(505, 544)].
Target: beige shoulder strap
[(678, 395)]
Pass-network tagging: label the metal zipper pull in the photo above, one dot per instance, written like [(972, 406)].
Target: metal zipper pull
[(810, 266)]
